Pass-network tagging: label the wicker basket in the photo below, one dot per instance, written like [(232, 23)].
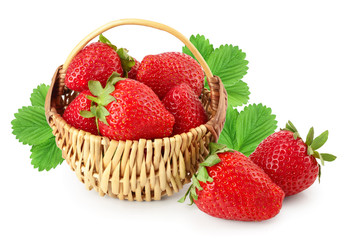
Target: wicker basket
[(134, 170)]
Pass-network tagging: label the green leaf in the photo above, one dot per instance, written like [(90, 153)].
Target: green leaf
[(327, 157), (290, 127), (211, 160), (245, 130), (114, 78), (238, 93), (127, 62), (310, 151), (38, 95), (196, 183), (310, 137), (46, 155), (86, 114), (215, 147), (30, 125), (228, 134), (320, 140), (107, 41), (101, 113), (202, 45), (203, 175), (228, 62), (181, 200), (95, 88)]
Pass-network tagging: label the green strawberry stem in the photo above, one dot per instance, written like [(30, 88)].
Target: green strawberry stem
[(127, 62), (202, 174), (101, 100), (313, 144)]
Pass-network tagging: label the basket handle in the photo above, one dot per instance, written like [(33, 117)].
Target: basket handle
[(141, 22)]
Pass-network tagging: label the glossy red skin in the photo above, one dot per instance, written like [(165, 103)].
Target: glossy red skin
[(136, 113), (186, 107), (133, 71), (240, 190), (72, 113), (96, 61), (286, 161), (164, 71)]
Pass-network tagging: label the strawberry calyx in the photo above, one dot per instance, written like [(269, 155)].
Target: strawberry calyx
[(101, 99), (202, 174), (313, 144), (127, 62)]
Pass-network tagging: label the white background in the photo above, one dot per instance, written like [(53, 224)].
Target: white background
[(304, 59)]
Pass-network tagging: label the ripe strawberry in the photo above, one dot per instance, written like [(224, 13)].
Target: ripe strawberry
[(134, 69), (73, 117), (164, 71), (130, 110), (96, 61), (289, 161), (228, 185), (186, 107)]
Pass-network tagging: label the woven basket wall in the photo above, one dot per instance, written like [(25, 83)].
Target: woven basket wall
[(135, 170)]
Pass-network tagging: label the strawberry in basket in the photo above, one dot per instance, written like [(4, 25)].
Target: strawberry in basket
[(128, 110), (72, 113), (98, 61), (163, 71), (186, 107)]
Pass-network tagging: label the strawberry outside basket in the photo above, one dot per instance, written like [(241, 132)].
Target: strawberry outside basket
[(135, 170)]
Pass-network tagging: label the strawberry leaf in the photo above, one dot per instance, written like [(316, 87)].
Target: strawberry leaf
[(203, 176), (320, 140), (327, 157), (211, 160), (202, 44), (238, 93), (245, 130), (228, 62), (107, 41), (95, 88), (127, 62), (310, 137), (87, 114), (30, 125), (38, 95), (46, 155)]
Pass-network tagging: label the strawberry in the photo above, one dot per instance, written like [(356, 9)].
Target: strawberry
[(162, 72), (73, 117), (96, 61), (229, 185), (129, 110), (289, 161), (186, 107)]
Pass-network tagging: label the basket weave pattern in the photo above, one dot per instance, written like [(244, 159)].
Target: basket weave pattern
[(134, 170)]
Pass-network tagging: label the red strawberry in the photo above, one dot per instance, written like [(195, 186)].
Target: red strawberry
[(134, 69), (289, 161), (130, 110), (164, 71), (228, 185), (72, 113), (186, 107), (96, 61)]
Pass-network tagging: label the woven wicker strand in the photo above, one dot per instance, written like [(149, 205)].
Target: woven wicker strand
[(134, 170)]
